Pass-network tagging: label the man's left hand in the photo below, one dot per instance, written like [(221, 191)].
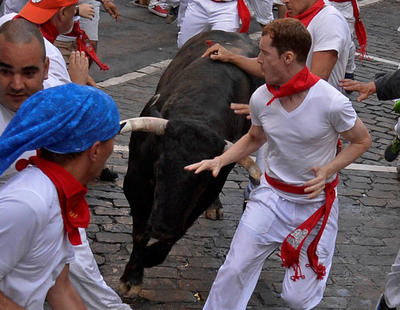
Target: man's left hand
[(315, 186)]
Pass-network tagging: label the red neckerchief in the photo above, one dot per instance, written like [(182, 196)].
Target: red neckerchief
[(303, 80), (361, 33), (49, 31), (291, 246), (71, 195), (84, 45), (308, 15)]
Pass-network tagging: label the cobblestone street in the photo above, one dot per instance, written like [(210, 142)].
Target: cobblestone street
[(369, 230)]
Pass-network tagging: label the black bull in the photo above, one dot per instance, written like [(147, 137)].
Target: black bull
[(194, 94)]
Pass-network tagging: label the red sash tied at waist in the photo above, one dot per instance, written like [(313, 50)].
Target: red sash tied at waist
[(291, 246)]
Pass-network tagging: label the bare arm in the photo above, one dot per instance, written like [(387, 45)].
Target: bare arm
[(7, 304), (249, 143), (62, 296), (249, 65), (323, 62), (360, 141)]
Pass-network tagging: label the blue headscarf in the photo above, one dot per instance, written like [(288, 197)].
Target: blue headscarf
[(63, 119)]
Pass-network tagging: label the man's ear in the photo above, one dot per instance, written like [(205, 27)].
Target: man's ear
[(94, 151), (288, 57), (46, 68)]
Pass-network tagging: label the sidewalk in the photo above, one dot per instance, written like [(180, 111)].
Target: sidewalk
[(368, 238)]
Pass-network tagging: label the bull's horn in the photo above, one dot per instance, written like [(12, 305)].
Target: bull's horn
[(248, 164), (148, 124)]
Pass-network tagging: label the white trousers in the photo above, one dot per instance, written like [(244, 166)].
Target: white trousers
[(266, 222), (86, 278), (392, 287), (262, 10), (203, 15), (182, 9)]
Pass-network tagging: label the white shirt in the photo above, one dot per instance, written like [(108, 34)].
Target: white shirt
[(5, 117), (303, 138), (58, 73), (33, 245), (330, 31), (12, 6)]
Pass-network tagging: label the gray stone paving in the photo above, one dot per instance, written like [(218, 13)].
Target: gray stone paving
[(368, 238)]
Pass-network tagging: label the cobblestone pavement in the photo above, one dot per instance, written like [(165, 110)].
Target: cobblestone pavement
[(369, 229)]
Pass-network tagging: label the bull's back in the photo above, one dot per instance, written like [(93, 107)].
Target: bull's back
[(201, 90), (194, 48)]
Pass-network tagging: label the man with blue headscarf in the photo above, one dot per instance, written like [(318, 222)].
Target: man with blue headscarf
[(42, 207), (21, 76)]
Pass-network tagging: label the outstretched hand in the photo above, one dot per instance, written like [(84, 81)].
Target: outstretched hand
[(217, 52), (364, 89), (315, 186), (214, 165), (241, 108)]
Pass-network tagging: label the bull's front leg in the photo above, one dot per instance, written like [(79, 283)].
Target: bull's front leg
[(133, 274)]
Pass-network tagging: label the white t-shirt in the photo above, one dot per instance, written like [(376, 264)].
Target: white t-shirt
[(11, 6), (5, 117), (330, 31), (58, 73), (303, 138), (33, 245)]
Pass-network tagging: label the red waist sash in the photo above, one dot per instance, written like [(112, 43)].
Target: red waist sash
[(291, 246)]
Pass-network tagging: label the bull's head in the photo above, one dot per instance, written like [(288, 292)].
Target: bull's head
[(157, 126)]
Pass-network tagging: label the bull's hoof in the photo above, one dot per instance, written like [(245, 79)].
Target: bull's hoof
[(214, 214), (214, 211), (129, 290)]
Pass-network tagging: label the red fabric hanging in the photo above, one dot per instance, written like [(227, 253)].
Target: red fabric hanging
[(71, 195), (244, 15), (291, 246), (361, 33), (84, 45)]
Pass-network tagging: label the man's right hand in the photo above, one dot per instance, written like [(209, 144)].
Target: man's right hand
[(214, 165), (78, 68), (241, 108), (218, 52), (364, 89), (86, 10)]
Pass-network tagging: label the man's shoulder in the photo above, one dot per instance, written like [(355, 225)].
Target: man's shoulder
[(323, 89), (30, 186), (6, 18), (328, 13), (51, 49), (261, 93)]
